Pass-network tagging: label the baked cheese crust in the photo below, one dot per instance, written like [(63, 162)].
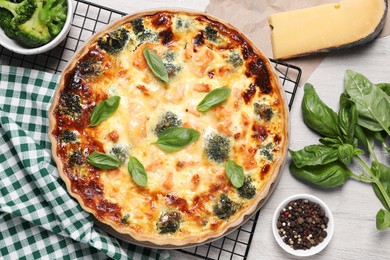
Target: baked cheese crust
[(188, 198)]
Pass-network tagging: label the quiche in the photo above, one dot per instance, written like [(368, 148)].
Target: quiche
[(169, 127)]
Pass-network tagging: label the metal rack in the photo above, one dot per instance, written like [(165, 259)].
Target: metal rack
[(89, 18)]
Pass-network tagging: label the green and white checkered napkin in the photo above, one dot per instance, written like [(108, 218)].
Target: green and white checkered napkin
[(38, 218)]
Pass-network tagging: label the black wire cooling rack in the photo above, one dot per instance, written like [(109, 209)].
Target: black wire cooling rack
[(89, 18)]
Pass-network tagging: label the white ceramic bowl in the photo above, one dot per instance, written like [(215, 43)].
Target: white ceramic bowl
[(14, 46), (315, 249)]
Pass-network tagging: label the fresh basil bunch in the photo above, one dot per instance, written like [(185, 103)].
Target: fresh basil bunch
[(364, 116)]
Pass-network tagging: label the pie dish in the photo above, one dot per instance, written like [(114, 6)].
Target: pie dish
[(139, 188)]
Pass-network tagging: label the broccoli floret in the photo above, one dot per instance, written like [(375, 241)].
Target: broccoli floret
[(172, 69), (68, 136), (6, 23), (168, 120), (115, 41), (138, 26), (147, 36), (266, 151), (71, 104), (75, 158), (33, 32), (211, 33), (225, 207), (247, 190), (120, 152), (168, 59), (143, 34), (182, 23), (263, 111), (217, 147), (169, 56), (169, 222), (21, 11), (235, 59), (53, 14), (90, 65)]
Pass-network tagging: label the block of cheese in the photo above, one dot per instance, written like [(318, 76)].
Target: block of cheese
[(326, 27)]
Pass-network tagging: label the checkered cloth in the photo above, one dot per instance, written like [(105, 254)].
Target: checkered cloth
[(38, 218)]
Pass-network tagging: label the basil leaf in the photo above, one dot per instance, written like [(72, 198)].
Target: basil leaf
[(104, 110), (346, 152), (176, 138), (156, 64), (235, 173), (331, 142), (383, 219), (385, 87), (383, 174), (137, 171), (103, 161), (347, 118), (326, 176), (317, 115), (314, 155), (370, 100), (213, 99)]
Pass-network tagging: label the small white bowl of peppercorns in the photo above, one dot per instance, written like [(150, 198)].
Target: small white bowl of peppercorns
[(303, 225)]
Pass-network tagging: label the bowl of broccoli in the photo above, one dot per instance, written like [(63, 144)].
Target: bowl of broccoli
[(34, 26)]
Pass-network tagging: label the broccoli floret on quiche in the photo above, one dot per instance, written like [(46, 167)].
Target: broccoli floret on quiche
[(70, 104), (247, 190), (225, 207), (263, 112), (91, 65), (115, 41), (168, 120), (211, 33), (143, 34), (68, 136), (266, 151), (217, 147), (169, 222), (76, 158), (235, 59), (169, 62), (121, 152)]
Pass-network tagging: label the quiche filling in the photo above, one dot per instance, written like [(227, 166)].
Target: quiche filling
[(188, 195)]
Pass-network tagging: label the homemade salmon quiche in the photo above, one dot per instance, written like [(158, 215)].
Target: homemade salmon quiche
[(169, 126)]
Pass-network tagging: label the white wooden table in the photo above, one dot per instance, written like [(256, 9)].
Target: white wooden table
[(354, 205)]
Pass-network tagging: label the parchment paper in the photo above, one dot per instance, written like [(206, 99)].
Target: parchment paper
[(251, 17)]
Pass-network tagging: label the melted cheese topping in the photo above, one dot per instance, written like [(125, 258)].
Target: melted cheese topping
[(187, 181)]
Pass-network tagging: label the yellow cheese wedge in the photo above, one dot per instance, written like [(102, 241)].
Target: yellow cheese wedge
[(326, 27)]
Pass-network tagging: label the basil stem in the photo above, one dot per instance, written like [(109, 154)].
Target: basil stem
[(103, 161), (137, 171), (156, 64), (104, 110), (235, 173), (176, 138), (214, 98)]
